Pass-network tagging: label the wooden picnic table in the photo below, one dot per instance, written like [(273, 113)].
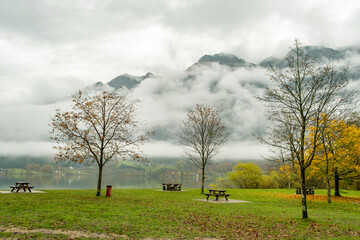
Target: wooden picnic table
[(172, 186), (309, 191), (217, 193), (21, 185)]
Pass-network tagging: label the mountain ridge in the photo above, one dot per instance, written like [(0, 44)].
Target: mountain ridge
[(233, 62)]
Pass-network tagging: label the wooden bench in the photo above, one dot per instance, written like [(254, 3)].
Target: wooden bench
[(172, 187), (19, 187), (308, 191), (217, 194)]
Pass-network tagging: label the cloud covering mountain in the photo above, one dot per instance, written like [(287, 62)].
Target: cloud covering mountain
[(224, 81)]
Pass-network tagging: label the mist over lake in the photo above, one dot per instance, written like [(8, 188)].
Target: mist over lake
[(81, 181), (44, 173)]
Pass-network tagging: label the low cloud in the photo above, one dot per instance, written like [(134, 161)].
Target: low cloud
[(24, 148), (243, 150), (166, 100), (162, 149), (48, 92)]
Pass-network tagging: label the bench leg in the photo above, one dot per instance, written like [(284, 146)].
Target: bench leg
[(226, 198), (29, 189), (18, 190), (207, 198)]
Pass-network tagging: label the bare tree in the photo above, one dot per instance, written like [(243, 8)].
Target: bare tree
[(99, 129), (301, 93), (202, 135)]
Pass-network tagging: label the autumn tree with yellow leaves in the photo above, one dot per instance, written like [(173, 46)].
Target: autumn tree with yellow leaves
[(338, 153), (99, 129)]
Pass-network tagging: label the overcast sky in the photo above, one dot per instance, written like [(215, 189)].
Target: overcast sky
[(49, 49)]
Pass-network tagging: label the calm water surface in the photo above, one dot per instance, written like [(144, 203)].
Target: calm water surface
[(89, 181)]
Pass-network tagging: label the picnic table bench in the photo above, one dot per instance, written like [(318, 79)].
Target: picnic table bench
[(172, 186), (217, 193), (21, 185), (309, 191)]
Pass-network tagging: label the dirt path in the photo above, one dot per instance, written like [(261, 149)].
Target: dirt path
[(70, 233)]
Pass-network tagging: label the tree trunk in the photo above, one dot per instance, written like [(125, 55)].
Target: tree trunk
[(303, 195), (328, 180), (98, 192), (292, 164), (289, 185), (337, 184), (202, 179), (328, 189)]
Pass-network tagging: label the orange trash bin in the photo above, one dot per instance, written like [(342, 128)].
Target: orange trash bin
[(108, 190)]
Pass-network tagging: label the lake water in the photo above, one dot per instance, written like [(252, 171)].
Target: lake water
[(89, 181)]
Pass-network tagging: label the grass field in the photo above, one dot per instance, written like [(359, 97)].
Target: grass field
[(152, 214)]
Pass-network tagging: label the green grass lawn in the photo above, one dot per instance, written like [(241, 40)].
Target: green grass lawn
[(136, 214)]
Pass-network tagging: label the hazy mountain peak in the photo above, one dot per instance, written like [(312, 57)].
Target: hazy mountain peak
[(319, 52), (224, 59), (128, 81), (124, 80), (149, 75), (273, 61), (98, 85)]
